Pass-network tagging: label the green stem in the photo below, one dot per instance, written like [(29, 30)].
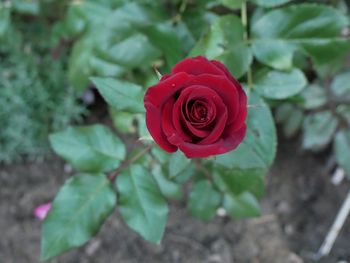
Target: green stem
[(244, 18), (127, 163), (183, 6), (202, 169)]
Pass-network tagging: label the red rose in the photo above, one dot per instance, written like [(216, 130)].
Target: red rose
[(199, 108)]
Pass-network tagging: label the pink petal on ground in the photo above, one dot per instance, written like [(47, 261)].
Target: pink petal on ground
[(41, 211)]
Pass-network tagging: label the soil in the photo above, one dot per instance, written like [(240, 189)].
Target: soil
[(298, 209)]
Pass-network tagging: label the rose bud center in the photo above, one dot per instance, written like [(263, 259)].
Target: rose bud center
[(200, 112)]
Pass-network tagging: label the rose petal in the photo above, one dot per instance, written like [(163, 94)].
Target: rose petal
[(227, 73), (153, 117), (242, 113), (202, 93), (158, 94), (242, 95), (155, 97), (223, 145), (179, 119), (171, 123), (210, 95), (196, 66), (168, 127), (232, 137), (165, 76), (224, 88), (41, 211), (218, 128)]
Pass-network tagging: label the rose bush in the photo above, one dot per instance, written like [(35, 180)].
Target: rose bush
[(200, 108)]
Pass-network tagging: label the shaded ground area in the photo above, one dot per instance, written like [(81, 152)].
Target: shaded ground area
[(298, 209)]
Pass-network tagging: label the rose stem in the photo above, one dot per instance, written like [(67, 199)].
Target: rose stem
[(201, 168), (127, 163), (183, 6), (335, 229), (244, 18)]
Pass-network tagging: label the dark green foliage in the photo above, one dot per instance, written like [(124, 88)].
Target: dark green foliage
[(35, 96)]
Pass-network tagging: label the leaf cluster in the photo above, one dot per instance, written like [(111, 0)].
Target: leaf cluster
[(270, 45)]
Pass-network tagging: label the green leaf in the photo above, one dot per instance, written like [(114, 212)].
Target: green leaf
[(341, 84), (280, 85), (111, 41), (26, 7), (270, 3), (185, 175), (319, 129), (275, 53), (344, 112), (79, 65), (121, 95), (241, 206), (314, 97), (104, 68), (5, 18), (204, 200), (178, 162), (283, 112), (293, 123), (91, 149), (236, 182), (258, 149), (233, 4), (184, 34), (168, 188), (139, 13), (342, 150), (291, 117), (164, 37), (143, 132), (79, 209), (142, 205), (309, 28), (143, 52), (161, 155), (123, 121), (224, 42)]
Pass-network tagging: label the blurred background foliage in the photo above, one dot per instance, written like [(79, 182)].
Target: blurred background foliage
[(35, 95), (50, 49)]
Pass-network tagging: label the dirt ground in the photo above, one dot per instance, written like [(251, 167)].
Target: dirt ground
[(298, 208)]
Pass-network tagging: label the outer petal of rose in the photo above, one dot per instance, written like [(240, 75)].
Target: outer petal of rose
[(242, 115), (224, 88), (171, 120), (196, 66), (167, 125), (234, 138), (165, 76), (42, 210), (242, 96), (153, 123), (158, 94), (223, 68), (223, 145)]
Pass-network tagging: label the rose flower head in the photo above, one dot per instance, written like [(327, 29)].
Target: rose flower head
[(200, 108)]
